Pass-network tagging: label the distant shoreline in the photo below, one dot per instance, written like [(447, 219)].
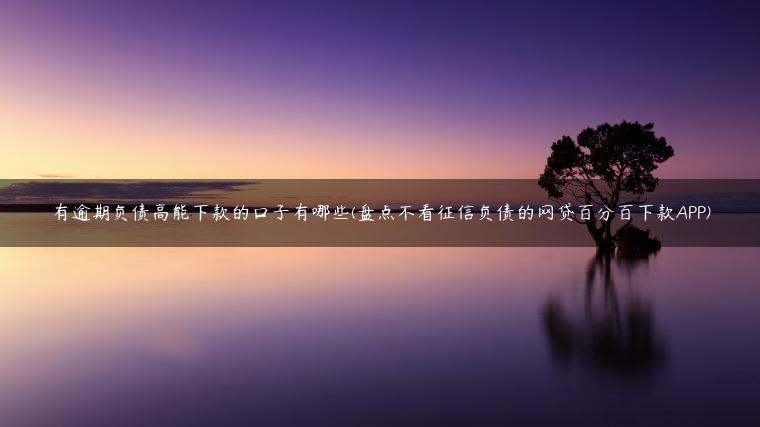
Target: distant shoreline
[(151, 207)]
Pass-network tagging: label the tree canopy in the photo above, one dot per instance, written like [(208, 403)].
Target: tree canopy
[(610, 165)]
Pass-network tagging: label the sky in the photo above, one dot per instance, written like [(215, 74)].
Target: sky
[(242, 90)]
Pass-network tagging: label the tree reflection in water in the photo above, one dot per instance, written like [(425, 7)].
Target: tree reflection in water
[(610, 333)]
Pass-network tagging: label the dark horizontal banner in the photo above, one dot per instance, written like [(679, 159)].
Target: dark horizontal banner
[(363, 213)]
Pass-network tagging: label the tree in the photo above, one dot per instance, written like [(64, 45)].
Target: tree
[(610, 166)]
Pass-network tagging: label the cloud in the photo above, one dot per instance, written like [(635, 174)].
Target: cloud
[(56, 176)]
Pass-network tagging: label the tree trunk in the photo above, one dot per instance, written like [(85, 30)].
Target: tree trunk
[(603, 237)]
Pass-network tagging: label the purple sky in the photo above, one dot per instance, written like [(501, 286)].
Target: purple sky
[(487, 86)]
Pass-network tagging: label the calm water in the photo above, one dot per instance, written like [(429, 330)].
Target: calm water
[(380, 336)]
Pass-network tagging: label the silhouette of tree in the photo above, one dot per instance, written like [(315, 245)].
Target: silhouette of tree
[(610, 166)]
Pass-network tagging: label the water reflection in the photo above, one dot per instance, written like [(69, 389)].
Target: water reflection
[(377, 336), (612, 332)]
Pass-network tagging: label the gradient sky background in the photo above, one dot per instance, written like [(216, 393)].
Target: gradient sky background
[(357, 90)]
